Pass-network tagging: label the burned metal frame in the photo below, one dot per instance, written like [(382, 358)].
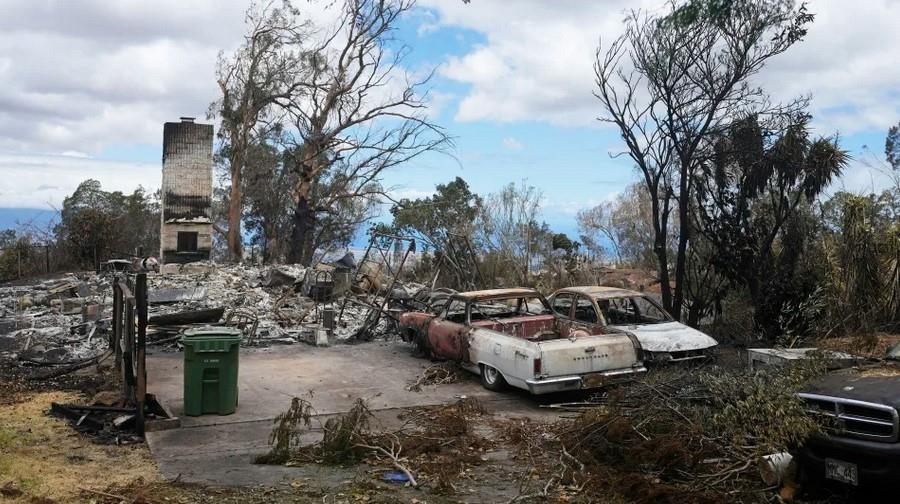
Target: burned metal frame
[(128, 340), (459, 258), (381, 247)]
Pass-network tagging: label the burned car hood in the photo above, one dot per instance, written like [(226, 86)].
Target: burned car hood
[(853, 385), (669, 337)]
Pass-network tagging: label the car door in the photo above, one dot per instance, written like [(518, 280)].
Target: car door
[(447, 336)]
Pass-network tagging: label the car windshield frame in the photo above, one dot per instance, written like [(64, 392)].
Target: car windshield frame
[(512, 312), (630, 297)]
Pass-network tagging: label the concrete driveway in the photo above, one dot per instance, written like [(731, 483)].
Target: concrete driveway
[(219, 450)]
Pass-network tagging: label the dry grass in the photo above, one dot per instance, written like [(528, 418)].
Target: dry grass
[(43, 458), (866, 345)]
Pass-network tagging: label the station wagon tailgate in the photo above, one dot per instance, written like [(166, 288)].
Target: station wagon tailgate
[(587, 354)]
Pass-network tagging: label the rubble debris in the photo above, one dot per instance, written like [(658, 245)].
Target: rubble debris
[(163, 296), (378, 275), (64, 287), (280, 277), (245, 320), (346, 261), (759, 358), (91, 312), (203, 316), (67, 318), (775, 467)]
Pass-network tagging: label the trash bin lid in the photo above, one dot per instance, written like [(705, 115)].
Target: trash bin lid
[(213, 332)]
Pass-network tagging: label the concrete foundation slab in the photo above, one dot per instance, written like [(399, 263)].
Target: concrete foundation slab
[(219, 449)]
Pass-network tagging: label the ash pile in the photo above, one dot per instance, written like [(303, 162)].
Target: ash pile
[(331, 302), (55, 326)]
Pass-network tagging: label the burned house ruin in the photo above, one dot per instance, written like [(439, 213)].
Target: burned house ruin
[(186, 233)]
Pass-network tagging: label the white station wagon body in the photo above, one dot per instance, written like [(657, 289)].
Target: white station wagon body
[(511, 336), (661, 337)]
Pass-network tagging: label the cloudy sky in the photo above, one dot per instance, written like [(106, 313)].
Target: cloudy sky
[(85, 86)]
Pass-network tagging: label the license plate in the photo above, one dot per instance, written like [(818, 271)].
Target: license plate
[(593, 380), (838, 470)]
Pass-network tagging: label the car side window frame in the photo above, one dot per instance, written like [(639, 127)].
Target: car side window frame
[(601, 318), (667, 317), (571, 305), (598, 318), (442, 307)]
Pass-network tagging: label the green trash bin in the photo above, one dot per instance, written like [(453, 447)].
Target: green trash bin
[(211, 370)]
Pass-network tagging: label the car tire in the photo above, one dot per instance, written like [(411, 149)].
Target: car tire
[(492, 379)]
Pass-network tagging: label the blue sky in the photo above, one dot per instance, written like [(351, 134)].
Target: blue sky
[(85, 95)]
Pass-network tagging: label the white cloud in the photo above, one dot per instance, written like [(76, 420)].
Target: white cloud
[(537, 61), (36, 181), (79, 76), (512, 144), (410, 193)]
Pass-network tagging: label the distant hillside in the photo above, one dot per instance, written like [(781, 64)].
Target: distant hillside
[(16, 218)]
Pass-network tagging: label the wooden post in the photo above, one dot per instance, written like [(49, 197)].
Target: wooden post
[(116, 343), (140, 295)]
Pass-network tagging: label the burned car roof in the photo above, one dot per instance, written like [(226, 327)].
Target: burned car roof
[(483, 295), (601, 292)]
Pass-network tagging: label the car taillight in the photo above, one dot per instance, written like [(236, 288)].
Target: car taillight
[(537, 366)]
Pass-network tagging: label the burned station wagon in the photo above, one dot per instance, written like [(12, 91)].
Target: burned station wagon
[(596, 308), (512, 337)]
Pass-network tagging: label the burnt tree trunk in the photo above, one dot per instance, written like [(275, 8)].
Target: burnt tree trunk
[(660, 249), (303, 226), (684, 229), (234, 211)]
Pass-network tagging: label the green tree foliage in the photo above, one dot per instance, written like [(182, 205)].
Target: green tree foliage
[(749, 200), (267, 199), (861, 261), (14, 252), (452, 209), (96, 224), (892, 147), (340, 201)]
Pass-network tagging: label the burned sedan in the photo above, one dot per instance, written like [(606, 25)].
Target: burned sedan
[(597, 309), (512, 337)]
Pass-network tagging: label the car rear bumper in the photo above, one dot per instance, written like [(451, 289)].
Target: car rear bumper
[(877, 463), (578, 382)]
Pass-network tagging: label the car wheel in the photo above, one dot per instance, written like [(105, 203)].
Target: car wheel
[(492, 379)]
